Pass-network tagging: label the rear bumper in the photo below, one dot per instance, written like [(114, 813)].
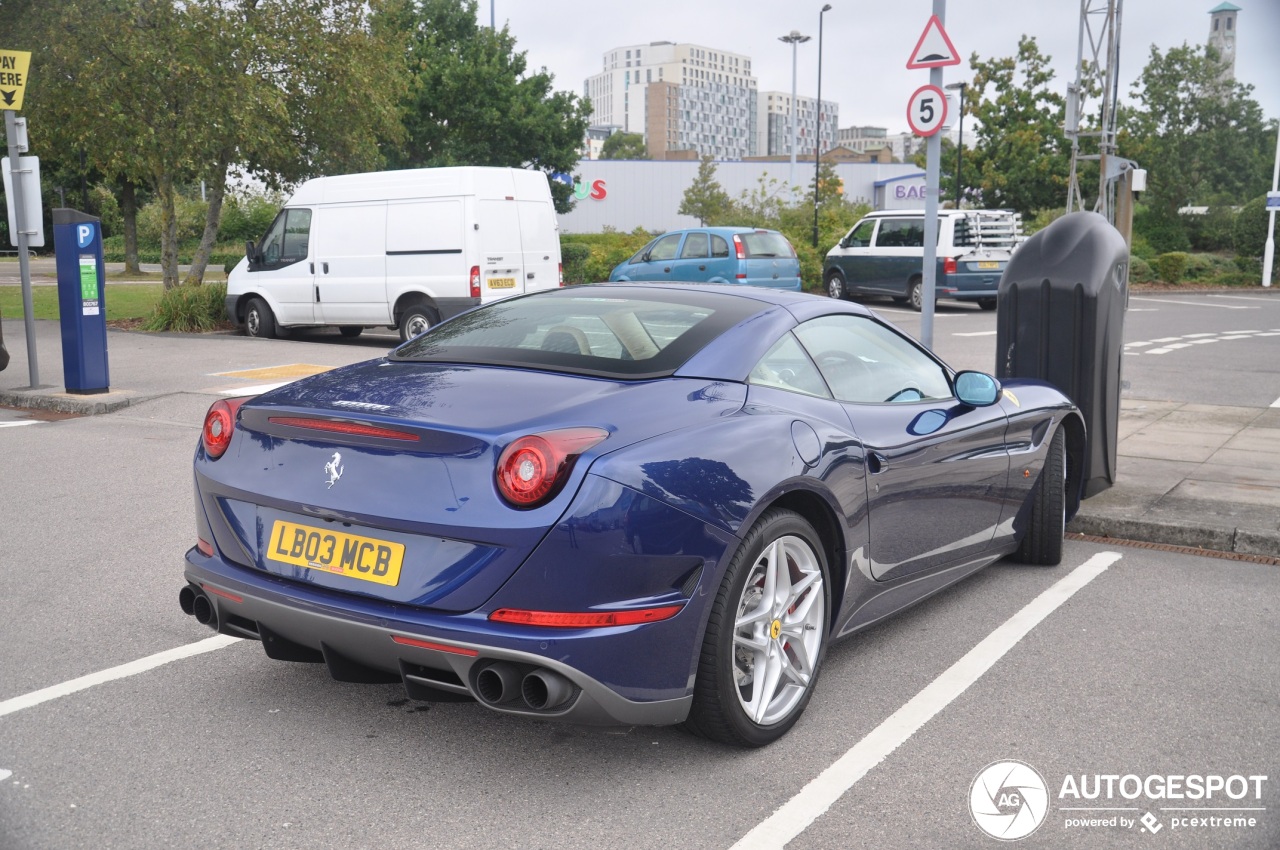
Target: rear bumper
[(969, 286), (231, 301), (436, 658)]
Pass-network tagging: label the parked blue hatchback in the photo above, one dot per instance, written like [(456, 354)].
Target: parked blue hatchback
[(740, 255)]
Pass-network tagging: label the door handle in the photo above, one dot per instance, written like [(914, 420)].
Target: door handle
[(702, 268), (529, 276), (876, 463), (667, 269), (313, 268), (325, 266)]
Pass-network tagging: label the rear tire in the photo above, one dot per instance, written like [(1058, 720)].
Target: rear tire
[(417, 318), (259, 321), (915, 293), (836, 287), (351, 331), (1042, 544), (766, 636), (987, 303)]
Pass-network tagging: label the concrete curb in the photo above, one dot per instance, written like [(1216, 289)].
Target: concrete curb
[(1244, 541), (82, 405)]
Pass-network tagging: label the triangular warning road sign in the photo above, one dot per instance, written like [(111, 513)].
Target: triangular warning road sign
[(934, 49)]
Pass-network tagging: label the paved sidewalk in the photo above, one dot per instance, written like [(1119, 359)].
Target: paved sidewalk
[(1188, 474)]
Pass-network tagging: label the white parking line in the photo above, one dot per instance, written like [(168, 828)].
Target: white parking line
[(20, 422), (977, 333), (1276, 403), (1196, 304), (132, 668), (794, 816), (257, 389), (1246, 298)]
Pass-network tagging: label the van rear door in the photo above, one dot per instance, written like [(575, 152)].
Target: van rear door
[(540, 244), (351, 264), (502, 270)]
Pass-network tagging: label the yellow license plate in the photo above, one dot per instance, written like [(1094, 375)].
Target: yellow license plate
[(502, 283), (988, 265), (351, 555)]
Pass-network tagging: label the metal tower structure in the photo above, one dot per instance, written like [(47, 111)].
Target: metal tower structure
[(1097, 75)]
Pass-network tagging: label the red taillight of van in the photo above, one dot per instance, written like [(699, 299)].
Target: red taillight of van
[(739, 248), (949, 265), (560, 271), (475, 281)]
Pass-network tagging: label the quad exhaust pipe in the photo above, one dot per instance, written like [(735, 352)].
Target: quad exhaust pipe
[(500, 683), (194, 602)]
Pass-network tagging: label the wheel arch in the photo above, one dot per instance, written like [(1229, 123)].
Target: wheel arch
[(818, 512), (410, 297), (1076, 445)]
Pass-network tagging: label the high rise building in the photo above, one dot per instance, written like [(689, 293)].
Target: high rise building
[(682, 97), (1222, 36), (773, 124)]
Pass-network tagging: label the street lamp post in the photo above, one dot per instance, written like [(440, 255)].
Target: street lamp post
[(960, 141), (793, 39), (817, 141)]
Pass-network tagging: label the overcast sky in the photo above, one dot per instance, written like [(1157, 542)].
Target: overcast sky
[(866, 44)]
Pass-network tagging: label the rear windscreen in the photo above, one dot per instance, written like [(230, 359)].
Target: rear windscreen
[(621, 333), (766, 245)]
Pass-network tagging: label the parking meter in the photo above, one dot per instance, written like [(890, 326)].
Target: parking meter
[(77, 241)]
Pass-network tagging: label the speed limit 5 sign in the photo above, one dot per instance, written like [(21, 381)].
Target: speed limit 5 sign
[(927, 110)]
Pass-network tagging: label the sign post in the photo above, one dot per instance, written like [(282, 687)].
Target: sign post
[(13, 85), (933, 51)]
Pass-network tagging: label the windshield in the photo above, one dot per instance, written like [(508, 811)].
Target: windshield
[(627, 333)]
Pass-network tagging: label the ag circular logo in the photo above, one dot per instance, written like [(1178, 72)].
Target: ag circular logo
[(1008, 800)]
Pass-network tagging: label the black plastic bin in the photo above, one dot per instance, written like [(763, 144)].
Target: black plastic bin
[(1060, 318)]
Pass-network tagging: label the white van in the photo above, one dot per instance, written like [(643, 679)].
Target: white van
[(397, 249)]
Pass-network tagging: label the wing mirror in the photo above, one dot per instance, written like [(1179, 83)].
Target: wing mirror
[(250, 253), (977, 389)]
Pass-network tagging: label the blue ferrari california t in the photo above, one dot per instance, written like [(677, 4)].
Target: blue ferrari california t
[(622, 504)]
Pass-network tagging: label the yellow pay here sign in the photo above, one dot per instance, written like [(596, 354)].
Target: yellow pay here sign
[(13, 77)]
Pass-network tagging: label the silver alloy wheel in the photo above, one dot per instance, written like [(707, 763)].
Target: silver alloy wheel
[(417, 324), (835, 286), (253, 323), (778, 629)]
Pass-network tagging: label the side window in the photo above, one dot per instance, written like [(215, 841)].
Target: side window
[(642, 253), (866, 362), (287, 239), (665, 248), (900, 233), (719, 246), (695, 246), (860, 236), (787, 367)]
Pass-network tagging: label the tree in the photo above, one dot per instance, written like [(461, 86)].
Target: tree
[(1198, 133), (705, 199), (472, 100), (167, 93), (624, 146), (1019, 159)]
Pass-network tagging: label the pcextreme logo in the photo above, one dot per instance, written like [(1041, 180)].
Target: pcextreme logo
[(1009, 800)]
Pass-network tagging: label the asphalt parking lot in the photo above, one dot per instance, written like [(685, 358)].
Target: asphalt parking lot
[(122, 725)]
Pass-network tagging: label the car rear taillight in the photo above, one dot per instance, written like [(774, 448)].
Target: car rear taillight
[(560, 272), (532, 469), (219, 422), (949, 265), (475, 281), (739, 248)]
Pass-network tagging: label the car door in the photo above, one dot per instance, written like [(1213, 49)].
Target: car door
[(351, 264), (283, 272), (853, 257), (691, 263), (898, 253), (937, 469), (656, 263)]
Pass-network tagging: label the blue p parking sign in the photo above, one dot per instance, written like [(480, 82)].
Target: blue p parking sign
[(84, 234)]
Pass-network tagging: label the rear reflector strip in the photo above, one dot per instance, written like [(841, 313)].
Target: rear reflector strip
[(441, 647), (224, 594), (205, 547), (585, 619), (353, 428)]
